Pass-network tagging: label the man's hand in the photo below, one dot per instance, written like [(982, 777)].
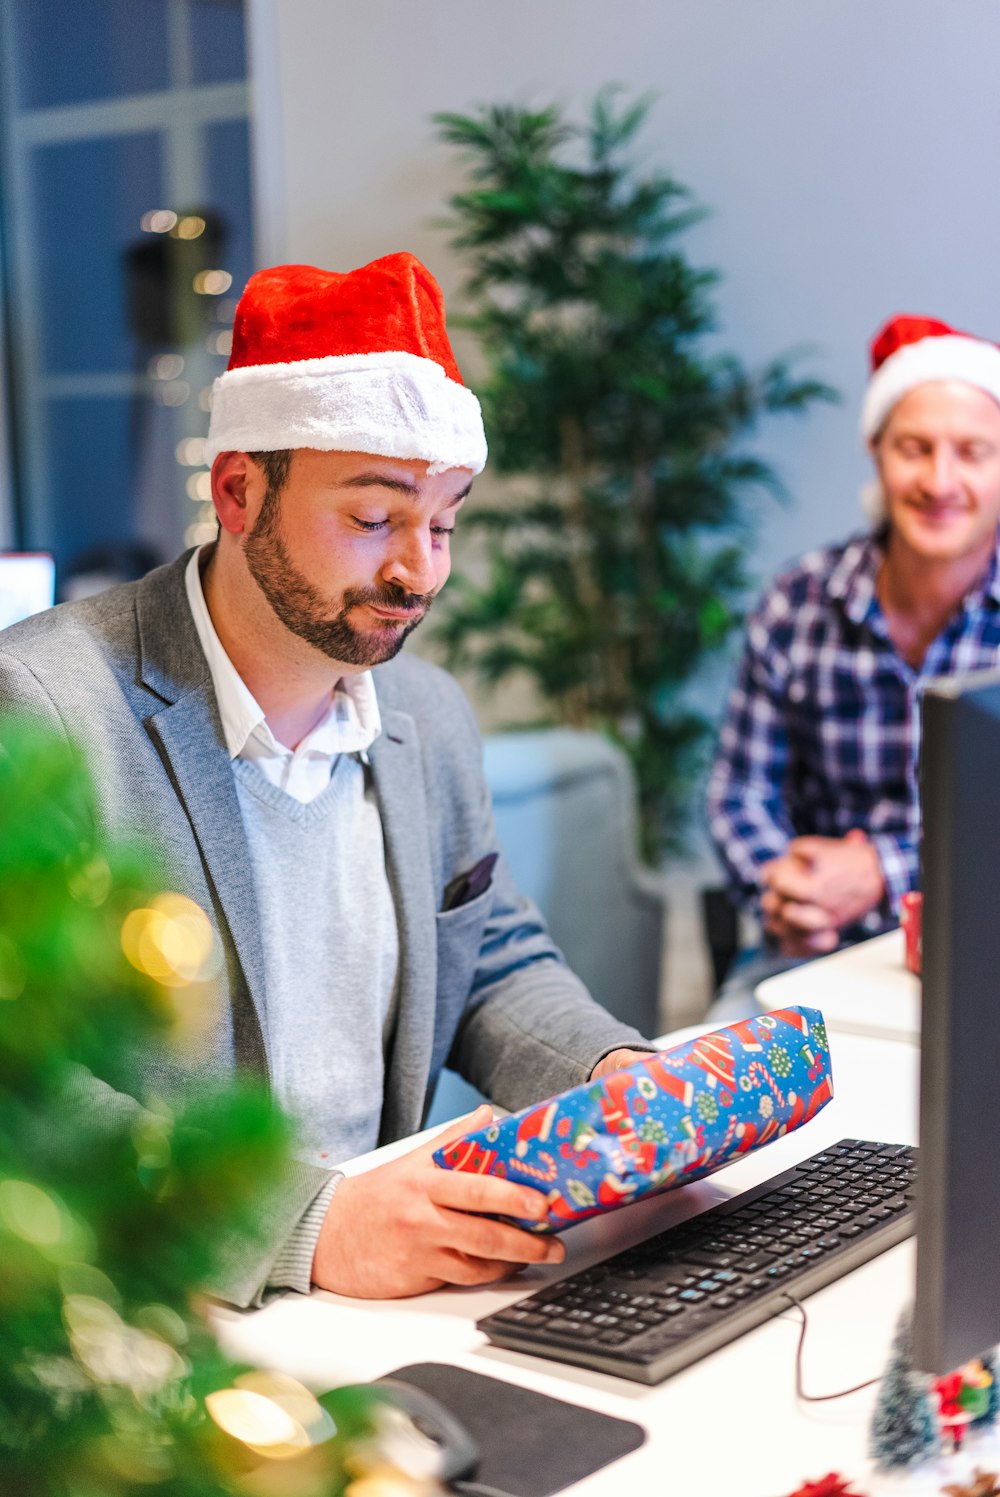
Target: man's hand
[(617, 1061), (407, 1227), (819, 885)]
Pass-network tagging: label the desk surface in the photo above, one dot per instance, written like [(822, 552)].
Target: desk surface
[(865, 990), (772, 1442)]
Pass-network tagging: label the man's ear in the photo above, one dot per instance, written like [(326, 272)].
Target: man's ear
[(236, 480)]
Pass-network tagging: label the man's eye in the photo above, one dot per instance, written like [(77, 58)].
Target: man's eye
[(369, 524), (442, 530)]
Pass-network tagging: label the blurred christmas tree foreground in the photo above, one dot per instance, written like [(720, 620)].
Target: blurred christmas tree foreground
[(110, 1382)]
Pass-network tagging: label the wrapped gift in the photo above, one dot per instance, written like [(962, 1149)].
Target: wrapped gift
[(671, 1117)]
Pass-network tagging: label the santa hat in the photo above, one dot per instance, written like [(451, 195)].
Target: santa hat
[(910, 351), (358, 362)]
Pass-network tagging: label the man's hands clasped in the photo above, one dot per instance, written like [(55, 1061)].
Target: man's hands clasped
[(817, 886)]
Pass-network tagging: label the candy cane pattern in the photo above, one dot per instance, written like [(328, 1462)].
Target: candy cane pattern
[(757, 1068), (546, 1174)]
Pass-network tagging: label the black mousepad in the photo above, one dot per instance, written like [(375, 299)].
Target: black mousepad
[(530, 1445)]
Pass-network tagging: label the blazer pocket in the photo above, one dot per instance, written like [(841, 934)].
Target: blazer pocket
[(459, 939)]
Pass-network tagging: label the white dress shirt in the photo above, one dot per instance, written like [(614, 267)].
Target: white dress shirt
[(350, 726)]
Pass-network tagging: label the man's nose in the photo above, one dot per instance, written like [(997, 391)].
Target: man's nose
[(942, 472), (411, 563)]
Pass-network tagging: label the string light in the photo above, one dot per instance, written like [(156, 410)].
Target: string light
[(201, 533), (190, 227), (165, 366), (271, 1414), (190, 452), (212, 282), (158, 221), (175, 393), (199, 487), (172, 941)]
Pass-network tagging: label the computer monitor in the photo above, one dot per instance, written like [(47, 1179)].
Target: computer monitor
[(27, 585), (957, 1311)]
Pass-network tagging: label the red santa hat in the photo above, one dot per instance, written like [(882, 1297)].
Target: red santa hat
[(358, 362), (910, 351)]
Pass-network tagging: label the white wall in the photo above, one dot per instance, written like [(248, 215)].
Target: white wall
[(848, 152)]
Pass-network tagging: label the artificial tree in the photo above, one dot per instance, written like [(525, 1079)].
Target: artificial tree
[(111, 1384), (904, 1429), (622, 567)]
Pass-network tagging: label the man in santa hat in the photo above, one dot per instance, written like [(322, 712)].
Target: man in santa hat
[(322, 801), (813, 799)]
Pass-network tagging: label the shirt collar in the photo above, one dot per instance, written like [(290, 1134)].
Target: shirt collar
[(350, 726), (854, 577)]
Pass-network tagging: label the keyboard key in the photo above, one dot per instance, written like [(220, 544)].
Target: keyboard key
[(720, 1259), (757, 1262)]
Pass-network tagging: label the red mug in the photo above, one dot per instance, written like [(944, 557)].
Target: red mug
[(911, 919)]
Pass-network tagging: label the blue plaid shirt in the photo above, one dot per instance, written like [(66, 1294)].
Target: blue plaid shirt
[(822, 731)]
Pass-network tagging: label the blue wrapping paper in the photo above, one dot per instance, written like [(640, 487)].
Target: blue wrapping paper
[(672, 1117)]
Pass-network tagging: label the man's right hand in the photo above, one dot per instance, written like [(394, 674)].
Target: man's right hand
[(407, 1227)]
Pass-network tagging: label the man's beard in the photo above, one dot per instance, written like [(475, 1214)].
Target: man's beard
[(301, 608)]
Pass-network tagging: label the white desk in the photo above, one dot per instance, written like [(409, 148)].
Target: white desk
[(865, 989), (729, 1425)]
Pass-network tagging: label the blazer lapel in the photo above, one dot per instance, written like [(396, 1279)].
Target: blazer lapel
[(399, 786), (189, 734)]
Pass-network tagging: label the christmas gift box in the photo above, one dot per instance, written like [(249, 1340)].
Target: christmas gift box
[(673, 1116)]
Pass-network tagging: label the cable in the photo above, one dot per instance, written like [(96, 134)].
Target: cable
[(799, 1390)]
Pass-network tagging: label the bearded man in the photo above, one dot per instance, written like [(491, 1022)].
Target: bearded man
[(322, 801)]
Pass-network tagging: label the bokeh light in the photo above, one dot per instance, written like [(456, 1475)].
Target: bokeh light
[(158, 221), (172, 941), (212, 282), (190, 452)]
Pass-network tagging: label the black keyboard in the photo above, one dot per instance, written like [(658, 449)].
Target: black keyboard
[(670, 1300)]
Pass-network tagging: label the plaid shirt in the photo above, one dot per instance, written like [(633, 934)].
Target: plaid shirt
[(822, 731)]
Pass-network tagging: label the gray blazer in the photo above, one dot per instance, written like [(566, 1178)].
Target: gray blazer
[(482, 987)]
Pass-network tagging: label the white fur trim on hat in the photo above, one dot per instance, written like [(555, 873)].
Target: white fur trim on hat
[(948, 357), (390, 404)]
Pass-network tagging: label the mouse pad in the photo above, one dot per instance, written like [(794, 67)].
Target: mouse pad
[(530, 1445)]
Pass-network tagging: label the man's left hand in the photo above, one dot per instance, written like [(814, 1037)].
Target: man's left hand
[(617, 1061)]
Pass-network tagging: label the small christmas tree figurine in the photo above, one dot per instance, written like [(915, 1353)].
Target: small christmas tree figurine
[(903, 1429), (110, 1383)]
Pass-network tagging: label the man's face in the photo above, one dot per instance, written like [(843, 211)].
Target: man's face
[(353, 548), (938, 458)]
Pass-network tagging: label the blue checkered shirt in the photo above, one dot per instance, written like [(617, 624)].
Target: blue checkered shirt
[(822, 731)]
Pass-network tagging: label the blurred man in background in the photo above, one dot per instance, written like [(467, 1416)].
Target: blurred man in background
[(813, 799)]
